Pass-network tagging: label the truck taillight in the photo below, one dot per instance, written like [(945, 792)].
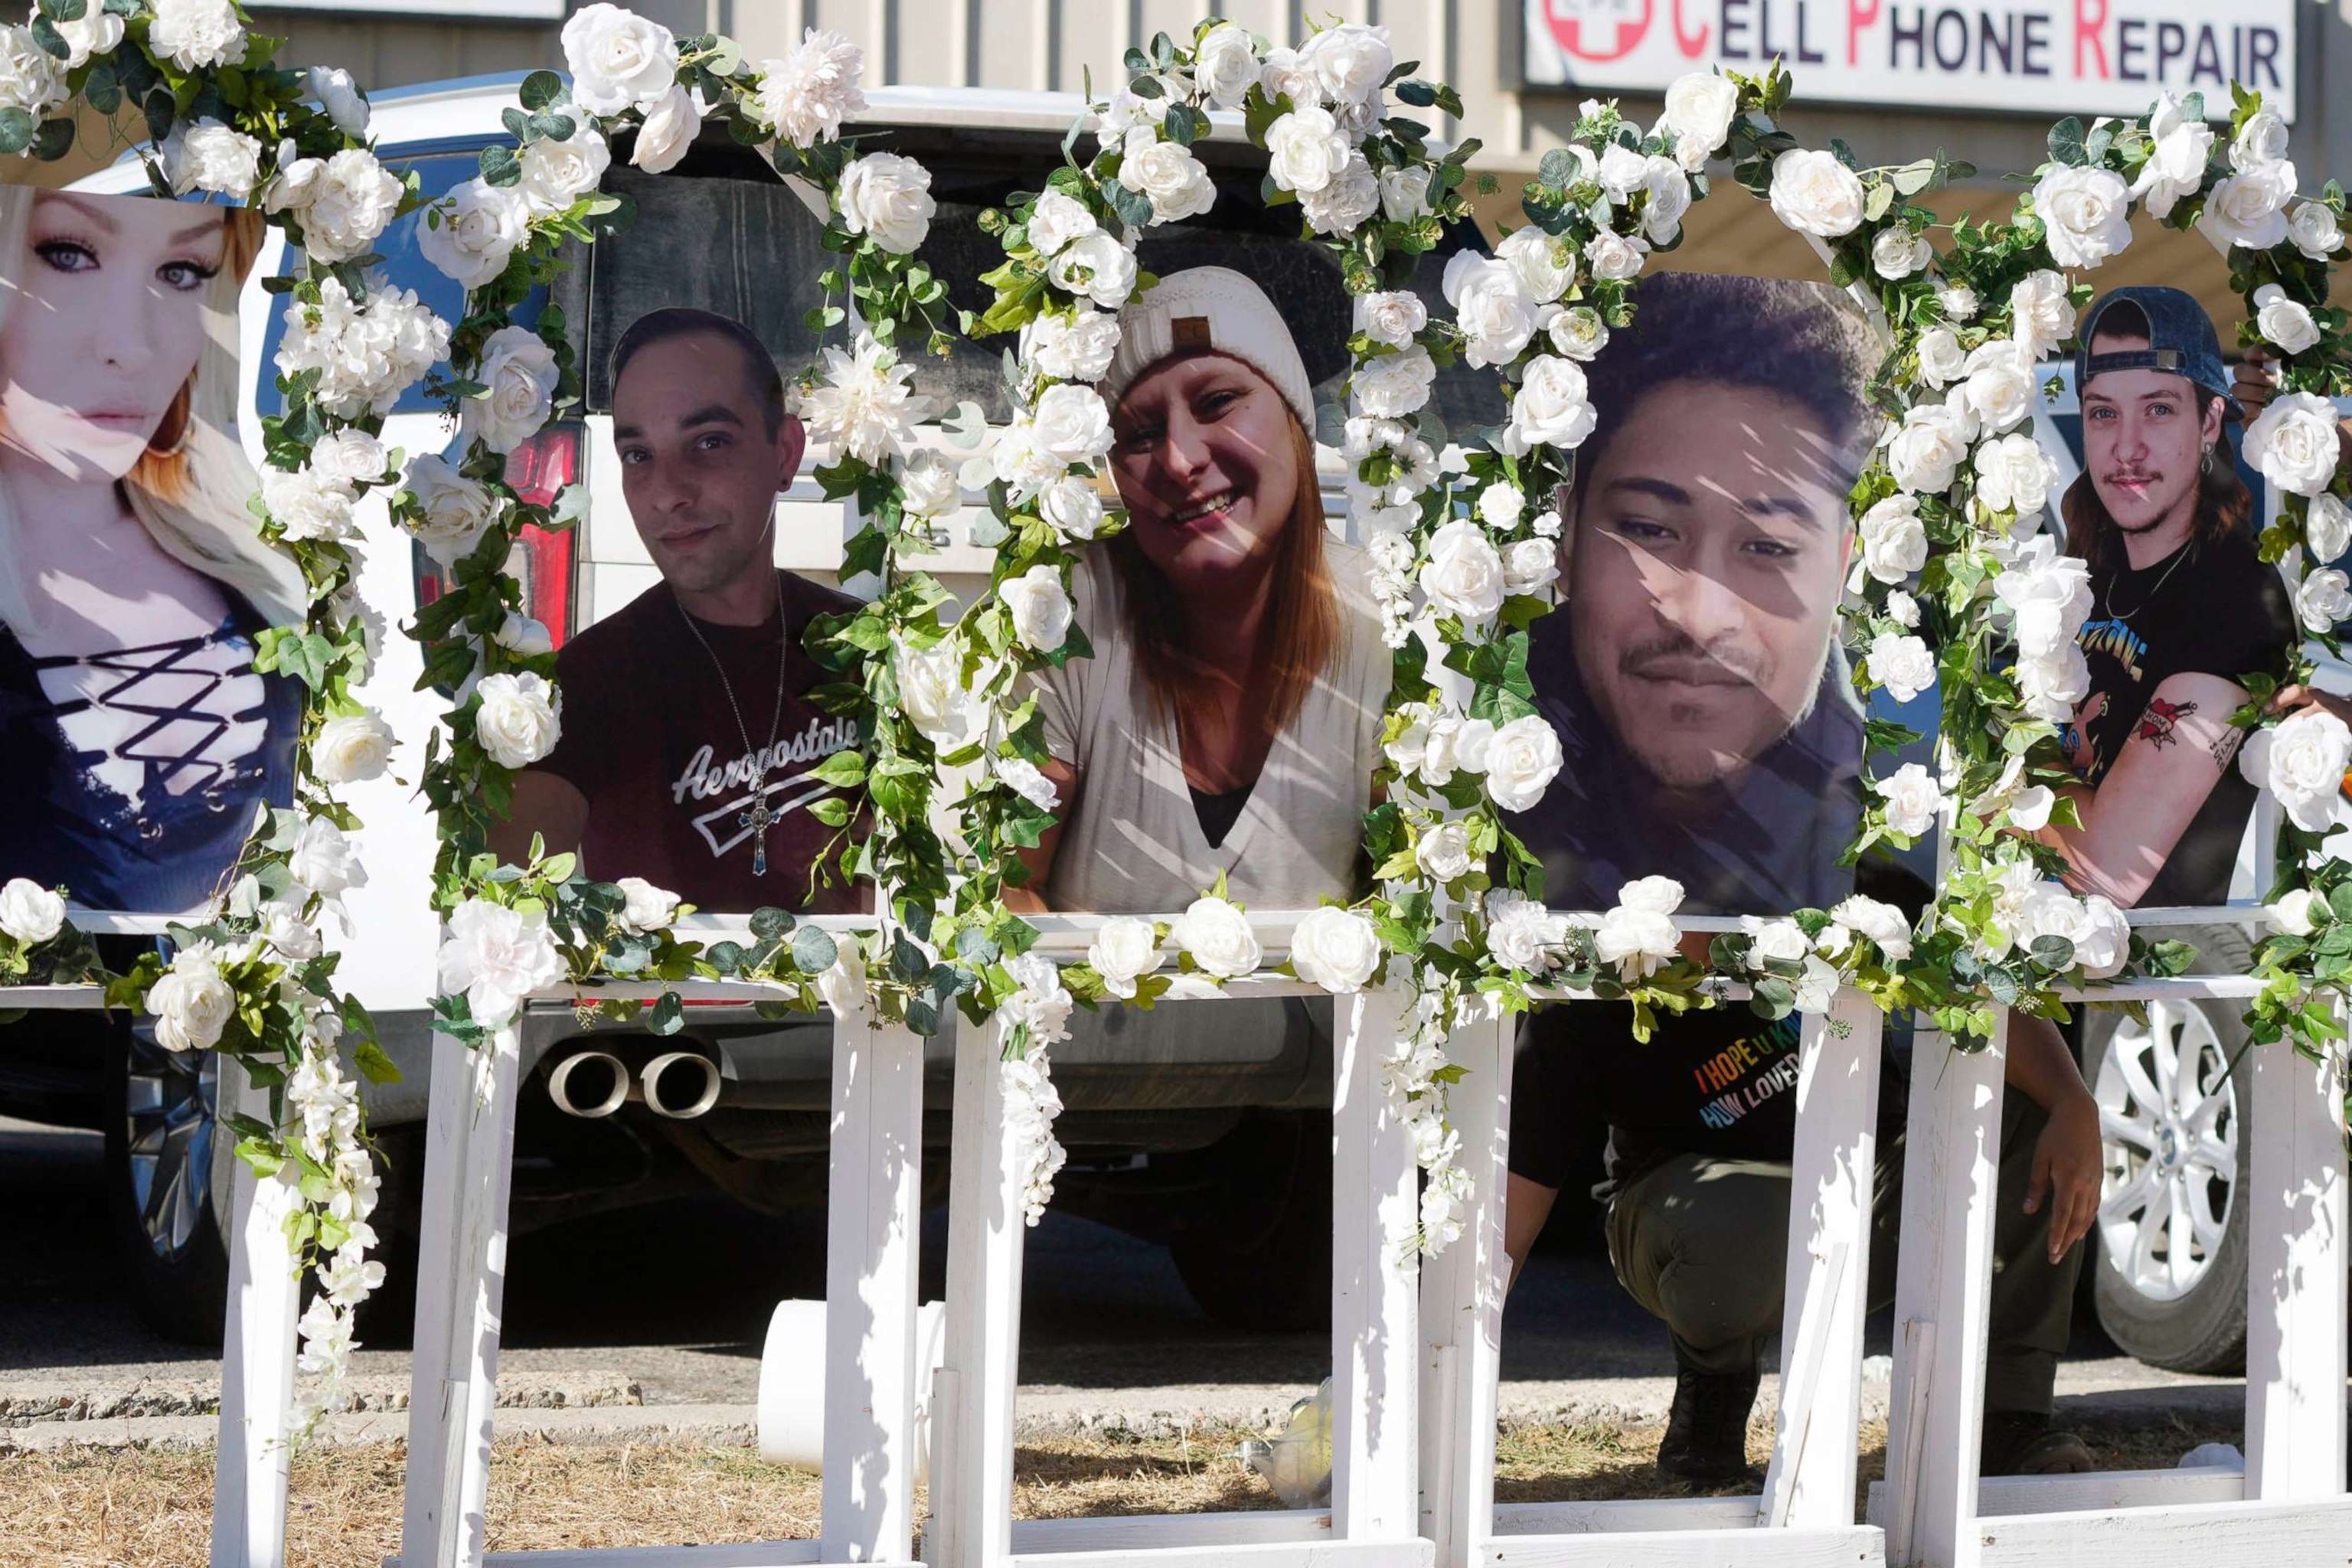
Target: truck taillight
[(542, 559)]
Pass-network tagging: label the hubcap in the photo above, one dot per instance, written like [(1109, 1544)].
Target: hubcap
[(172, 1101), (2168, 1128)]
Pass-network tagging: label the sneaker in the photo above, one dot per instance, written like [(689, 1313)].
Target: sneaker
[(2021, 1443), (1706, 1436)]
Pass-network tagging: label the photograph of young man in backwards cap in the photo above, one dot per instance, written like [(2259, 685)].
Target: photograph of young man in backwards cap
[(688, 740), (2182, 607), (1693, 672)]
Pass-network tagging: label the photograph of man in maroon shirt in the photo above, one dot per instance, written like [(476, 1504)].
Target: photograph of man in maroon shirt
[(689, 746)]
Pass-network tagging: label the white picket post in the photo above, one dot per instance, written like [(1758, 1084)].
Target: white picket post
[(2294, 1201), (1811, 1481), (1942, 1295), (250, 1470), (1462, 1294), (460, 1293), (873, 1219), (972, 1465), (1375, 1346)]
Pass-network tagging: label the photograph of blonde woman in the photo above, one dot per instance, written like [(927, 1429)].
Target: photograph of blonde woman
[(1229, 720), (2182, 609), (138, 740)]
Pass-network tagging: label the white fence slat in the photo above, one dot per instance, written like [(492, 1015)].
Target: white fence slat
[(1812, 1478), (1943, 1284), (250, 1467), (2295, 1262), (1158, 1532), (759, 1554), (1262, 1554), (1462, 1293), (460, 1293), (1375, 1346), (2209, 1535), (2098, 1491), (873, 1216), (1855, 1546)]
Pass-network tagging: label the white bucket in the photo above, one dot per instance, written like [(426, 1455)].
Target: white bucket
[(791, 1384)]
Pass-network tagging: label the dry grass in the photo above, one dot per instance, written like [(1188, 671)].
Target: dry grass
[(134, 1509)]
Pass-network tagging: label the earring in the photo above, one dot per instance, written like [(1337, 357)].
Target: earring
[(170, 437), (2205, 463)]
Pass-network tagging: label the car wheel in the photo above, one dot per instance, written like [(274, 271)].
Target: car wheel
[(2169, 1281), (167, 1176), (1269, 1269)]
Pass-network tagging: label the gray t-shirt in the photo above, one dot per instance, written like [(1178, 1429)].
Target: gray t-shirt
[(1131, 840)]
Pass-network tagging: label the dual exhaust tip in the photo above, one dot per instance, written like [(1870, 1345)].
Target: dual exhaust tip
[(664, 1086)]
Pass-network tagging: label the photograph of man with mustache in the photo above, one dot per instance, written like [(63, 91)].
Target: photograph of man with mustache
[(1693, 672)]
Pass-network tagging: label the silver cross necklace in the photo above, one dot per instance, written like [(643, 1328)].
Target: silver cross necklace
[(759, 819)]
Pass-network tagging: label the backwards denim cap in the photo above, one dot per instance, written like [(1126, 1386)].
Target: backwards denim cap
[(2181, 341)]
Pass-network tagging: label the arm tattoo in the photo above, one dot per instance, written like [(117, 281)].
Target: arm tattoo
[(2159, 726), (2225, 746)]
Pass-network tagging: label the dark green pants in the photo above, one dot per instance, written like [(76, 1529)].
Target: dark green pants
[(1702, 1243)]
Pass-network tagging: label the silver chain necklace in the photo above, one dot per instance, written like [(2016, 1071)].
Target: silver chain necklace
[(2122, 617), (759, 819)]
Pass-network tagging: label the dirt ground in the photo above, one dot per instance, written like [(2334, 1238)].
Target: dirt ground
[(149, 1509)]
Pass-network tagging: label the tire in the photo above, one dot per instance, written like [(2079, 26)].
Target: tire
[(2173, 1294), (167, 1186), (1269, 1269)]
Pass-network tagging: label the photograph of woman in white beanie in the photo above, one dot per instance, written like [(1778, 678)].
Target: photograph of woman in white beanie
[(138, 740), (1229, 720)]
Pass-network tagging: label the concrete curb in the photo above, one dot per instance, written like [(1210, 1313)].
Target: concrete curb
[(37, 1401)]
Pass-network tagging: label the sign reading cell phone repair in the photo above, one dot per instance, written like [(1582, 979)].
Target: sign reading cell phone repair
[(2077, 57)]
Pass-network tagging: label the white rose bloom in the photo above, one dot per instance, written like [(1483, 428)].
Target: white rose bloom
[(1902, 608), (557, 174), (209, 156), (324, 860), (2315, 230), (1055, 218), (808, 93), (519, 369), (1621, 172), (455, 511), (931, 485), (1226, 65), (1347, 201), (1669, 201), (29, 912), (1283, 75), (30, 77), (2104, 943), (348, 457), (2051, 688), (1638, 935), (2325, 599), (1880, 923), (1337, 949), (290, 936), (888, 197), (2328, 529), (931, 689), (2086, 215), (1522, 935), (1073, 423), (1028, 781), (497, 957), (1998, 385), (1546, 264), (2176, 165), (1894, 545), (192, 1003), (1579, 332), (352, 748), (1815, 194), (195, 35), (1520, 762), (2249, 209), (2301, 762), (1700, 108), (524, 636), (648, 909), (1551, 407), (2043, 316), (1073, 508), (1500, 504), (1124, 950), (1464, 575), (1393, 317), (1040, 607), (1168, 174), (1390, 386), (617, 60), (349, 206), (1444, 852), (1901, 664), (366, 355), (338, 95), (520, 718), (2283, 320), (865, 407), (2049, 596), (1929, 447), (96, 31), (1351, 61), (1126, 121), (2294, 443), (1218, 938), (1075, 347), (1529, 566), (1305, 147), (1942, 361), (1492, 307), (2014, 473), (2300, 911), (1957, 302), (2260, 143), (1897, 253), (1409, 749), (1095, 266), (1023, 463), (1404, 193), (1780, 941), (1913, 799), (1615, 258), (307, 505), (1654, 895)]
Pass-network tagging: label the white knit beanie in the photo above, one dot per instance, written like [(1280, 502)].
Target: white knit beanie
[(1210, 309)]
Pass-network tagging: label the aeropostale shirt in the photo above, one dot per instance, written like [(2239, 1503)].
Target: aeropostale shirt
[(650, 740)]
